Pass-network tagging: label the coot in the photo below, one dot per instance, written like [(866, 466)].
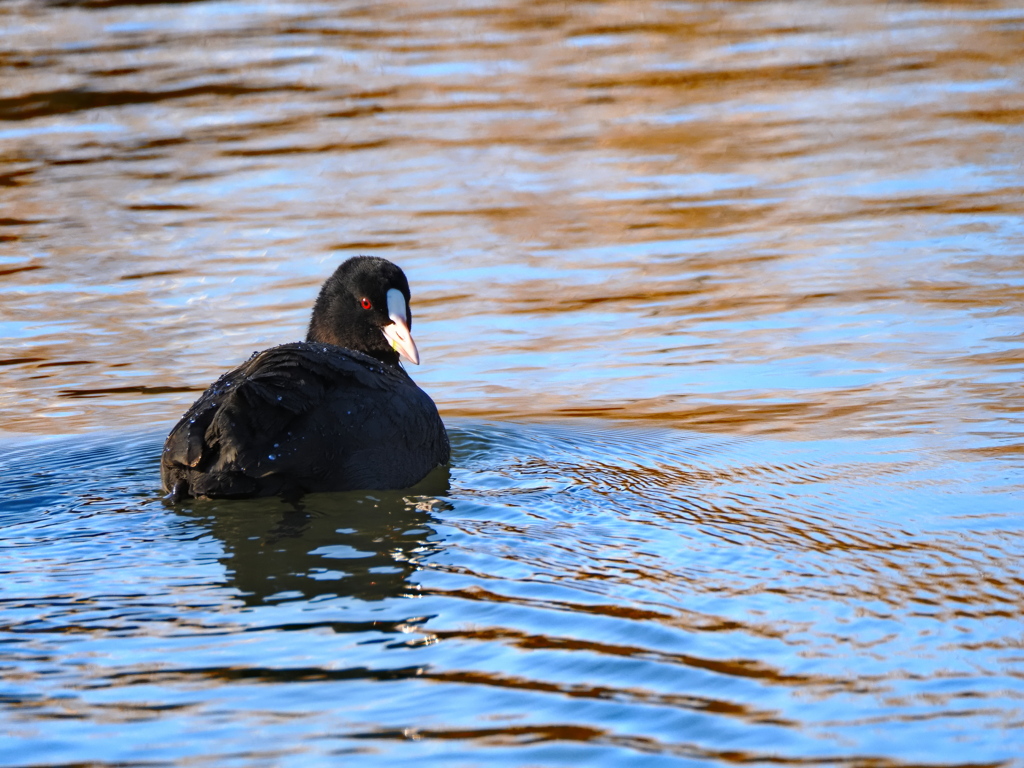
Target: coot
[(335, 412)]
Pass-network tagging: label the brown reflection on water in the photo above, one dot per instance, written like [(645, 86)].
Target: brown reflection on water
[(724, 217)]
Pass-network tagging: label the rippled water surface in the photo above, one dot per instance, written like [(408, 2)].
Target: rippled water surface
[(723, 304)]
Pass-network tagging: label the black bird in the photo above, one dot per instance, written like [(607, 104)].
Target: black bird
[(335, 412)]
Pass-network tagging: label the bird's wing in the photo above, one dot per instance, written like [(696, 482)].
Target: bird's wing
[(239, 420)]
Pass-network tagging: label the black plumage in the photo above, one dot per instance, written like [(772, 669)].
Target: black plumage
[(335, 412)]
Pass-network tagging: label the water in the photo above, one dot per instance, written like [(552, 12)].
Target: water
[(580, 595), (722, 303)]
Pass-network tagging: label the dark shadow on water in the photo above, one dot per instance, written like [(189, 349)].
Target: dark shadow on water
[(363, 544)]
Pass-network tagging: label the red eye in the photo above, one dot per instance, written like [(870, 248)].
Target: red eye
[(366, 304)]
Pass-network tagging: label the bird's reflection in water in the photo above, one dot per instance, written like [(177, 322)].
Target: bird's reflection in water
[(362, 544)]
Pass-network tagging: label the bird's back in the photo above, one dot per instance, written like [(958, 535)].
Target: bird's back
[(305, 417)]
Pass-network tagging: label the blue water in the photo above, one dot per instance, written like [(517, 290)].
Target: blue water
[(722, 304), (594, 594)]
